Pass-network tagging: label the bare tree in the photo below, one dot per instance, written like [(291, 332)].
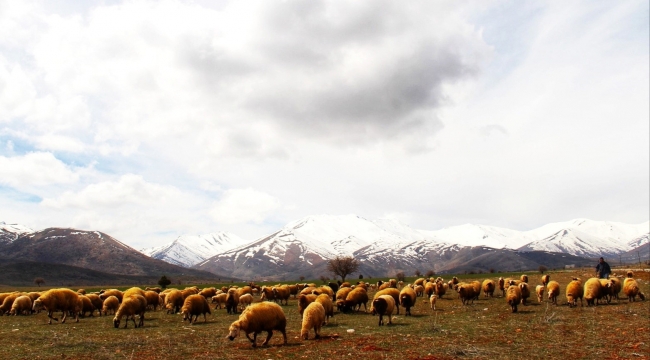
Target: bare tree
[(342, 266), (542, 268), (417, 273), (38, 281), (400, 276)]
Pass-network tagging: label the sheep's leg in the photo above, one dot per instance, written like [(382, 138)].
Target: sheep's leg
[(49, 315), (284, 334), (268, 337), (380, 318), (65, 314)]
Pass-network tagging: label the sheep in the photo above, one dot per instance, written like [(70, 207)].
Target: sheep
[(574, 291), (631, 289), (488, 287), (525, 292), (267, 294), (219, 299), (419, 281), (441, 288), (502, 286), (97, 302), (383, 286), (513, 297), (189, 291), (8, 301), (245, 300), (308, 290), (630, 274), (111, 292), (429, 288), (593, 290), (153, 299), (454, 280), (131, 306), (208, 293), (81, 292), (605, 290), (432, 301), (193, 306), (174, 301), (232, 300), (325, 290), (64, 300), (34, 295), (304, 301), (85, 305), (312, 317), (553, 291), (293, 290), (407, 299), (110, 304), (341, 295), (156, 289), (258, 317), (21, 306), (419, 290), (616, 287), (355, 298), (545, 279), (245, 290), (282, 293), (335, 287), (524, 278), (539, 290), (384, 305), (390, 291), (466, 292), (326, 301)]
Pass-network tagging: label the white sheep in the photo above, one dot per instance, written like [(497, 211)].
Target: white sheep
[(245, 300), (21, 306)]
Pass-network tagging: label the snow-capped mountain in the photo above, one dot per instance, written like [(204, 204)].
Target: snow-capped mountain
[(188, 250), (481, 235), (11, 232)]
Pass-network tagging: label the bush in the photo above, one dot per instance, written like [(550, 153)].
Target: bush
[(430, 273), (400, 276), (164, 281), (542, 268)]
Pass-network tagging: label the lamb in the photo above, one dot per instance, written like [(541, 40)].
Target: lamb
[(258, 317), (111, 292), (21, 306), (97, 302), (110, 304), (64, 300), (432, 301), (545, 279), (282, 293), (488, 287), (173, 301), (525, 292), (631, 289), (153, 299), (574, 291), (390, 291), (131, 306), (312, 317), (326, 301), (384, 305), (553, 291), (524, 278), (407, 299), (245, 300), (539, 290), (593, 290), (232, 300), (513, 297), (219, 299), (355, 298), (193, 306)]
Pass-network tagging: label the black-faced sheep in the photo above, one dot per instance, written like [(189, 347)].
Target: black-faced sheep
[(488, 287), (193, 306), (131, 306), (390, 291), (513, 297), (356, 297), (574, 291), (326, 301), (312, 318), (384, 305), (64, 300), (21, 306), (173, 301), (593, 290), (232, 301), (111, 304), (553, 291), (407, 299), (616, 287), (258, 317)]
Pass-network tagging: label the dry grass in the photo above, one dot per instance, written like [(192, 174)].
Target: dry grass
[(486, 329)]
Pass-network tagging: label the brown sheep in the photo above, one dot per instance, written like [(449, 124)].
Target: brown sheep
[(553, 291), (429, 289), (85, 305), (524, 278), (631, 289), (326, 301), (156, 289), (539, 290), (258, 317), (21, 306), (419, 281), (513, 297), (193, 306), (441, 288), (81, 292), (208, 293), (282, 293), (267, 294), (98, 304), (64, 300), (110, 304), (245, 300), (407, 299), (8, 302), (219, 299), (545, 279), (307, 290), (384, 305), (173, 301), (502, 286), (131, 306), (313, 317), (593, 290), (477, 289), (111, 292), (488, 287), (466, 292), (574, 291), (304, 301), (525, 292), (390, 291), (419, 290), (355, 298), (153, 299), (616, 288), (189, 291), (341, 295), (232, 301)]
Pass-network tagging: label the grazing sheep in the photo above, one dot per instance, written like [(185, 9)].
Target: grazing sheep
[(97, 302), (208, 293), (356, 297), (326, 290), (525, 292), (466, 292), (245, 290), (33, 296), (174, 301), (156, 289), (267, 294), (111, 292), (64, 300), (419, 290), (488, 287), (85, 305), (605, 290), (553, 291), (341, 295), (312, 318), (539, 290), (219, 299), (131, 306), (502, 286), (326, 301), (245, 300), (304, 301), (593, 290), (308, 290), (390, 291), (574, 291), (21, 306), (631, 289), (189, 291), (8, 301), (384, 305), (153, 299), (407, 299), (419, 281), (513, 297), (259, 317), (432, 301), (441, 288), (232, 300), (616, 287), (383, 286), (545, 280), (195, 305), (524, 278), (282, 293), (110, 304)]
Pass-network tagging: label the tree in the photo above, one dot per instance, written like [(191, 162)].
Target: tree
[(342, 266), (302, 278), (400, 276), (360, 276), (431, 273), (541, 269), (417, 273), (164, 281), (324, 279), (38, 281)]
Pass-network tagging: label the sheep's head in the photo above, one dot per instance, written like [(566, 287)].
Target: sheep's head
[(233, 331), (38, 305), (116, 322), (304, 334)]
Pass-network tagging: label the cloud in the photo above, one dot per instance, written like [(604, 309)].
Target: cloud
[(36, 169), (244, 206)]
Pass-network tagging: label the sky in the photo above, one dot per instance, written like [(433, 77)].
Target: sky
[(151, 119)]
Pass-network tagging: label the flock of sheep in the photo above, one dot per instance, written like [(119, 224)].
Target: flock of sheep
[(315, 303)]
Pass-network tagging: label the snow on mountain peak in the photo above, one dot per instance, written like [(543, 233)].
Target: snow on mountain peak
[(188, 250)]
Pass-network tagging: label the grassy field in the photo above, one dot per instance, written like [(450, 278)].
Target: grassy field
[(485, 329)]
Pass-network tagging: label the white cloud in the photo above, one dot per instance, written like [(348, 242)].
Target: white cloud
[(244, 206), (36, 169)]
